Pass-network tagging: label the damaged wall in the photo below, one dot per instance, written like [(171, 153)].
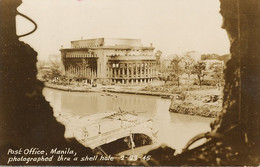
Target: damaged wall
[(26, 119), (234, 139)]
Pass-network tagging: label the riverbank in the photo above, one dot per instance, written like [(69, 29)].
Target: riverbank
[(71, 88), (111, 88), (205, 103)]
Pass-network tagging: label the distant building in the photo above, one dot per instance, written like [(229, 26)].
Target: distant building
[(110, 60), (212, 63)]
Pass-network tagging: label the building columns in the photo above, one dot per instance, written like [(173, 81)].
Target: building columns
[(140, 69), (145, 67), (136, 70), (123, 71), (127, 70), (118, 71), (132, 71)]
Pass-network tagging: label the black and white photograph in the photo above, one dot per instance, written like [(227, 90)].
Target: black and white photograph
[(130, 83)]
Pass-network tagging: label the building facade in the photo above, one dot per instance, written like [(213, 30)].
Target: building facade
[(110, 60)]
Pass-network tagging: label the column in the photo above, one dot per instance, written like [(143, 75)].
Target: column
[(153, 70), (145, 67), (141, 69), (132, 70), (118, 70), (127, 70), (115, 70), (80, 71), (123, 71), (136, 71), (127, 73), (110, 72), (148, 69)]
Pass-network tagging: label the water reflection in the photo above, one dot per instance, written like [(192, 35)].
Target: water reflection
[(174, 129)]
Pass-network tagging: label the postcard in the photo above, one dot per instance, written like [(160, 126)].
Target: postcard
[(126, 82)]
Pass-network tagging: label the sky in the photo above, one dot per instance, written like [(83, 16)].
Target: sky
[(173, 26)]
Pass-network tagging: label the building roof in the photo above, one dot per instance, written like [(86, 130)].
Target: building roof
[(109, 48), (107, 42), (106, 39)]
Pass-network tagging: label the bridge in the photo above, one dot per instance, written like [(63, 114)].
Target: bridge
[(99, 129)]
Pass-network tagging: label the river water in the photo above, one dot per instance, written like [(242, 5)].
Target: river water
[(175, 130)]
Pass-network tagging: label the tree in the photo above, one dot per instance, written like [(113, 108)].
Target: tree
[(210, 56), (217, 70), (188, 64), (176, 68), (55, 69), (48, 71), (199, 69), (165, 78)]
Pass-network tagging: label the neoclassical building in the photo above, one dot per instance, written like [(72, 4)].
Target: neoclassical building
[(123, 61)]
